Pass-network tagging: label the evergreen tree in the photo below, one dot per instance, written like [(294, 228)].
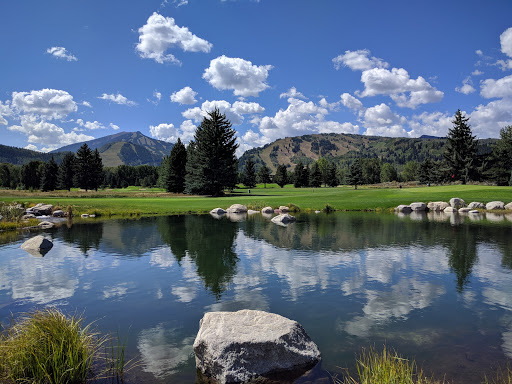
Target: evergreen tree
[(324, 166), (214, 164), (316, 176), (176, 168), (355, 173), (460, 152), (84, 161), (264, 175), (249, 174), (410, 171), (5, 176), (500, 159), (388, 173), (49, 176), (96, 170), (30, 175), (331, 178), (426, 172), (66, 172), (281, 177), (371, 171), (305, 176), (298, 178)]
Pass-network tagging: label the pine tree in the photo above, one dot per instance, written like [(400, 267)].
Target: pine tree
[(176, 168), (355, 173), (66, 172), (5, 176), (297, 175), (316, 176), (84, 160), (426, 172), (249, 174), (331, 177), (306, 173), (30, 175), (388, 173), (214, 165), (500, 159), (97, 173), (281, 177), (264, 175), (49, 176), (460, 152)]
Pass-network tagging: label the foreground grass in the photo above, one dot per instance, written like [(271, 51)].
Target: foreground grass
[(135, 202), (47, 347)]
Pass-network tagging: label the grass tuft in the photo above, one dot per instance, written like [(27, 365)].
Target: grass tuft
[(503, 376)]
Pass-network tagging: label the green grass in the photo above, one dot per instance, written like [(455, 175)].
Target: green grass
[(503, 376), (132, 203), (48, 347)]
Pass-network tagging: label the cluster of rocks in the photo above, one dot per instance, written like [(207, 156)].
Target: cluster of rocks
[(236, 212), (45, 210), (455, 205)]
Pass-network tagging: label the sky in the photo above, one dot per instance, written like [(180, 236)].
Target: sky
[(71, 71)]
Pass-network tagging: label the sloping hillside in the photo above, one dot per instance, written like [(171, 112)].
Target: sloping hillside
[(20, 156)]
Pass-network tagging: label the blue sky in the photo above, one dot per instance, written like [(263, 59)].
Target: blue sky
[(75, 70)]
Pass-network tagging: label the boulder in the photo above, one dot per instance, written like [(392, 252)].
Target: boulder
[(42, 209), (450, 210), (58, 213), (46, 225), (237, 208), (267, 210), (283, 218), (218, 211), (418, 206), (476, 205), (437, 206), (457, 203), (495, 205), (84, 215), (235, 347), (465, 210), (251, 212), (28, 216), (508, 206), (403, 209), (284, 209), (474, 211), (37, 246)]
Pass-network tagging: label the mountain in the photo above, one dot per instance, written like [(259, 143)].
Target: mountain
[(344, 148), (129, 148), (20, 156)]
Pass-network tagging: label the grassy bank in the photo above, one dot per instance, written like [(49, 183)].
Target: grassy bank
[(129, 202)]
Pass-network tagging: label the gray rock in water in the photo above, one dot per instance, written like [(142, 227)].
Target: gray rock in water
[(450, 210), (267, 210), (37, 246), (237, 208), (495, 205), (252, 212), (218, 211), (46, 225), (283, 218), (464, 210), (84, 215), (508, 206), (437, 206), (403, 209), (42, 209), (418, 206), (457, 203), (234, 347), (474, 211), (58, 213), (284, 209), (476, 205)]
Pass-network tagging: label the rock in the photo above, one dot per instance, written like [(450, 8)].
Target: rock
[(267, 210), (418, 206), (93, 215), (495, 205), (37, 246), (284, 218), (318, 211), (58, 213), (474, 211), (508, 206), (218, 211), (237, 208), (464, 210), (251, 212), (457, 203), (476, 205), (84, 215), (284, 209), (234, 347), (236, 217), (437, 206), (46, 225), (28, 216), (42, 209), (494, 217), (403, 209), (450, 210)]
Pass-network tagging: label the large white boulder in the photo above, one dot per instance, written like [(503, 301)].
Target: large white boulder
[(267, 210), (457, 203), (508, 206), (58, 213), (476, 205), (495, 205), (283, 218), (237, 208), (450, 210), (284, 209), (437, 206), (234, 347), (42, 209), (218, 211), (418, 206), (37, 246), (46, 225), (403, 209)]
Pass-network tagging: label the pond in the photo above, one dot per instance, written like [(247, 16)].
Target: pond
[(434, 287)]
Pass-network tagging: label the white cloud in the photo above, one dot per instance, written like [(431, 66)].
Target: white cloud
[(157, 96), (160, 34), (479, 52), (5, 110), (358, 60), (86, 104), (234, 113), (491, 88), (165, 132), (397, 83), (47, 103), (487, 120), (61, 53), (184, 96), (381, 121), (32, 147), (244, 108), (351, 102), (113, 126), (91, 125), (187, 130), (292, 92), (477, 72), (118, 99), (433, 124), (467, 87), (506, 42), (244, 78)]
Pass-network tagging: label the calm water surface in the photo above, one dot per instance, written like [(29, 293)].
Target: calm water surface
[(438, 288)]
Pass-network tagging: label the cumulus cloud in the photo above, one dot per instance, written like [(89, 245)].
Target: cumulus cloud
[(187, 130), (351, 102), (61, 53), (292, 92), (239, 75), (157, 96), (113, 126), (160, 34), (433, 124), (234, 113), (5, 110), (506, 48), (86, 104), (92, 125), (184, 96), (406, 92), (118, 99), (477, 72), (487, 120), (467, 86), (47, 103), (491, 88), (165, 132), (381, 121), (359, 60)]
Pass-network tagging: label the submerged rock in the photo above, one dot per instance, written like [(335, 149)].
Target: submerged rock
[(284, 218), (284, 209), (234, 347), (237, 208), (495, 205), (464, 210), (450, 210), (37, 246), (46, 225)]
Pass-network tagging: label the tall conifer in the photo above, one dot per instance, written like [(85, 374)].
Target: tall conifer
[(176, 168)]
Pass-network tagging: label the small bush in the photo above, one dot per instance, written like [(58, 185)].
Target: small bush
[(293, 208), (328, 209)]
